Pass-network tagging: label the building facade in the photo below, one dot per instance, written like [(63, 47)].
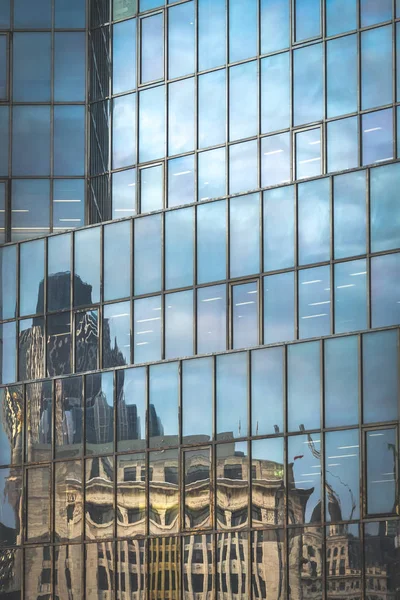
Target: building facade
[(200, 388)]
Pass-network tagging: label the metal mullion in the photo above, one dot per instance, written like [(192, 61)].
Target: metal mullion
[(322, 435), (114, 458)]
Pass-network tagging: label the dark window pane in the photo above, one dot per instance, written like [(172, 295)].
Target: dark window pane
[(180, 181), (5, 15), (5, 133), (69, 417), (116, 334), (31, 67), (124, 131), (267, 391), (279, 298), (11, 407), (163, 404), (31, 276), (197, 400), (376, 67), (8, 350), (31, 140), (349, 214), (147, 329), (179, 324), (314, 221), (350, 296), (68, 497), (99, 509), (131, 496), (30, 216), (59, 272), (87, 267), (381, 556), (122, 9), (380, 376), (304, 478), (68, 204), (69, 67), (304, 386), (211, 319), (152, 48), (86, 340), (197, 488), (69, 140), (244, 249), (307, 83), (342, 475), (181, 118), (278, 228), (27, 14), (232, 509), (147, 255), (242, 29), (341, 16), (243, 101), (274, 25), (11, 575), (381, 471), (58, 344), (181, 40), (31, 349), (377, 136), (211, 21), (308, 19), (124, 56), (38, 483), (385, 210), (232, 396), (314, 302), (70, 13), (117, 250), (385, 290), (99, 400), (342, 76), (179, 234), (267, 474), (245, 315), (212, 109), (131, 408), (211, 242), (341, 381)]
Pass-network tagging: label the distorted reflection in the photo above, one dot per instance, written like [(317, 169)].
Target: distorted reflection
[(198, 566), (68, 500), (267, 482), (87, 266), (164, 572), (37, 493), (343, 561), (38, 572), (131, 408), (68, 572), (268, 564), (86, 340), (11, 421), (10, 506), (382, 559), (59, 272), (10, 573), (131, 495), (99, 569), (382, 486), (99, 498), (99, 395), (39, 411), (131, 570), (197, 489), (116, 334), (232, 487), (305, 563), (304, 478), (342, 475), (164, 492), (8, 350), (31, 349), (58, 344), (232, 565)]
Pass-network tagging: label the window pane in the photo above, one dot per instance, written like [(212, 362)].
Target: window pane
[(314, 221), (308, 153), (242, 29), (199, 549), (68, 565), (67, 513), (336, 571), (147, 255), (180, 181), (31, 349), (275, 93), (181, 125), (69, 66), (8, 282), (12, 406), (377, 136), (376, 67), (350, 296), (211, 319), (342, 475), (11, 508), (278, 228), (304, 460), (232, 395), (179, 324), (131, 408), (8, 350), (275, 159), (58, 344), (212, 109), (243, 167), (5, 134), (151, 124), (31, 278), (243, 101), (147, 329), (349, 214), (381, 471), (59, 272), (99, 400), (131, 499), (152, 48), (69, 417), (307, 66), (181, 40), (87, 266), (117, 250), (308, 19), (37, 560), (31, 15), (342, 75), (163, 404), (267, 391), (314, 302), (124, 56), (279, 300), (124, 131), (268, 549), (211, 174), (164, 516), (124, 191), (31, 66), (68, 204), (31, 140), (151, 188), (123, 9), (375, 12), (86, 340), (274, 25), (341, 381), (232, 470), (245, 315), (30, 208), (244, 250), (102, 574), (70, 13), (116, 334), (211, 21), (385, 210), (267, 452), (5, 15), (197, 400), (211, 242), (380, 376), (341, 16), (197, 490), (179, 234), (99, 515), (385, 290), (304, 386), (38, 482)]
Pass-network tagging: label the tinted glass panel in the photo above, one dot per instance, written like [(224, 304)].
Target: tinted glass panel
[(279, 298), (179, 324), (124, 131), (87, 266), (212, 109), (341, 16), (245, 315), (179, 230), (68, 204), (385, 210), (131, 408), (274, 25), (314, 302), (350, 296), (99, 413), (341, 381), (124, 56), (5, 15), (197, 400), (31, 278), (151, 188), (32, 16), (314, 221), (211, 319), (349, 214), (308, 19), (58, 345), (232, 396), (31, 67), (86, 340), (4, 132), (278, 228), (304, 386), (375, 12), (116, 334), (181, 128), (151, 124), (31, 349), (243, 104), (242, 29), (304, 474), (211, 242), (308, 84), (232, 471), (69, 66), (243, 167), (8, 282), (267, 391), (376, 67), (124, 187), (308, 159), (181, 181), (117, 250), (152, 48), (244, 250), (275, 159), (147, 329), (385, 289), (342, 76), (59, 272), (69, 417), (381, 471), (377, 136), (275, 92), (31, 140), (147, 255), (380, 376), (69, 13), (381, 553), (342, 475), (163, 404), (30, 216), (211, 20), (211, 174), (11, 406), (8, 335), (181, 40)]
